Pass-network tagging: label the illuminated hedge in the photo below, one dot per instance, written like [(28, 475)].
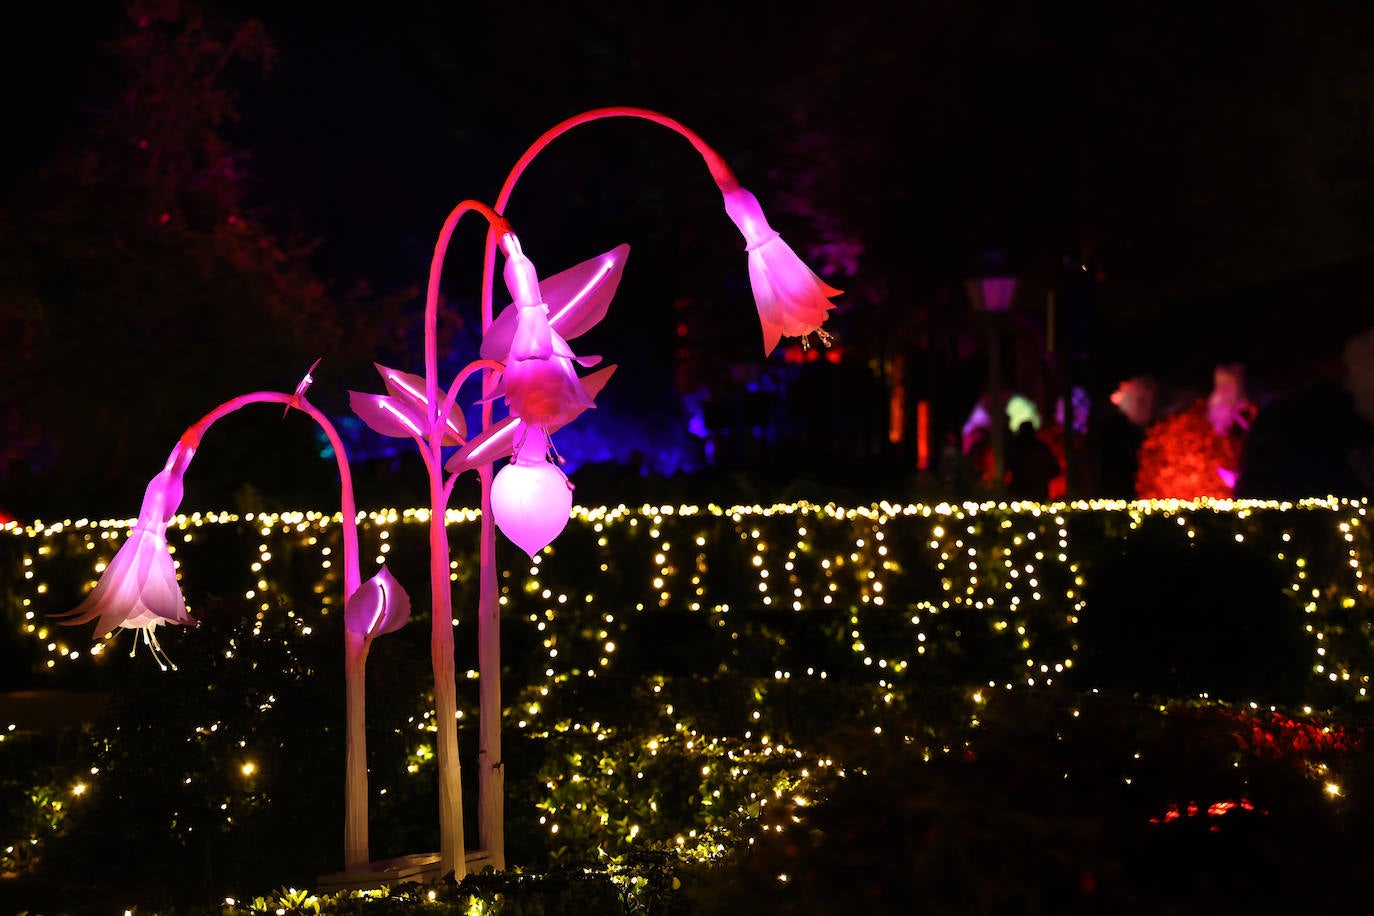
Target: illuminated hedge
[(882, 594), (672, 672)]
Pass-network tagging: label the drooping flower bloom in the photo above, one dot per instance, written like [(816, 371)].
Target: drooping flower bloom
[(531, 497), (138, 589), (792, 301), (577, 300), (380, 605), (500, 439), (541, 386)]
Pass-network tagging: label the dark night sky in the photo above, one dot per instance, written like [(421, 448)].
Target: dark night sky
[(1191, 153), (1198, 152), (1194, 151)]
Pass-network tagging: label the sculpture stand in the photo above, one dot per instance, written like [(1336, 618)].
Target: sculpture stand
[(418, 867)]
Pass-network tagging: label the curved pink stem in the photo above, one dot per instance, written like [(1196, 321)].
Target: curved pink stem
[(355, 646), (491, 778), (721, 173), (436, 269), (451, 851), (347, 506), (476, 365), (724, 177)]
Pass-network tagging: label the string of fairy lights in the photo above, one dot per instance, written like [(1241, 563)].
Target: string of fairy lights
[(1008, 563), (896, 585)]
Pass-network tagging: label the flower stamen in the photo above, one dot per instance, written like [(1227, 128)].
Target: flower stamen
[(825, 337)]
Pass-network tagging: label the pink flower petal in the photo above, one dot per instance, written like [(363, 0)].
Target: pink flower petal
[(499, 440), (388, 415), (577, 299), (380, 605)]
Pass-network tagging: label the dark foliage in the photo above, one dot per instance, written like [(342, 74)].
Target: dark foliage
[(1194, 617), (1058, 803)]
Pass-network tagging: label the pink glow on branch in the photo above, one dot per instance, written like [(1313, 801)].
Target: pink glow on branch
[(720, 172), (499, 226), (301, 388)]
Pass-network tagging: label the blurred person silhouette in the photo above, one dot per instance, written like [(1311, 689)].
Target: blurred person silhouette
[(1319, 439), (1031, 464)]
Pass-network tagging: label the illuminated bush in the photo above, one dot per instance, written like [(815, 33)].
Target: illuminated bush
[(685, 664), (883, 594), (1180, 456)]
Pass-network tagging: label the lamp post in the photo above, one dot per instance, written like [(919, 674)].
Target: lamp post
[(991, 295)]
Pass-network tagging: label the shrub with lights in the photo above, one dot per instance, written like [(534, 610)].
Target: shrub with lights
[(1183, 457), (951, 594), (685, 681)]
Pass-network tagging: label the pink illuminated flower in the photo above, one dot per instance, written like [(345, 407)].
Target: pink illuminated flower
[(577, 300), (531, 497), (540, 384), (404, 410), (379, 606), (138, 589), (499, 440), (792, 301)]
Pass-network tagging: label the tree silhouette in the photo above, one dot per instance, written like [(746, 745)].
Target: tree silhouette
[(142, 286)]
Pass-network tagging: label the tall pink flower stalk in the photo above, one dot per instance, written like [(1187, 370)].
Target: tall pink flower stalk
[(139, 590), (526, 347), (526, 360), (791, 301)]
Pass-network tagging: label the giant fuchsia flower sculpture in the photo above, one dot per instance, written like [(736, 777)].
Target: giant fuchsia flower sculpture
[(527, 365), (138, 589), (792, 301)]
